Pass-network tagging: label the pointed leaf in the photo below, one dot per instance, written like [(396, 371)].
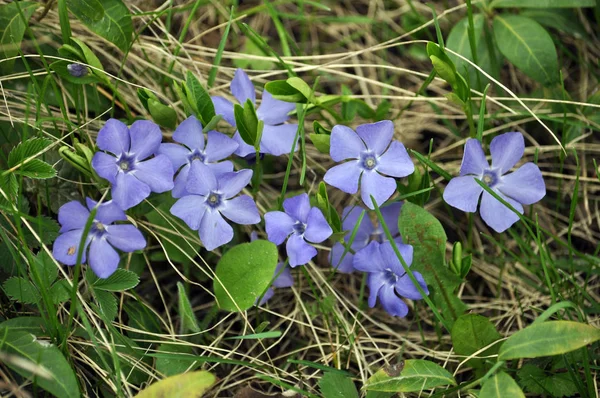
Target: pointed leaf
[(193, 384), (188, 319), (21, 290), (501, 386), (416, 375), (119, 281), (335, 385)]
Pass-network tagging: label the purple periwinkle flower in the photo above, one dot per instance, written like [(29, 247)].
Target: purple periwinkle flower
[(189, 133), (301, 223), (283, 278), (77, 70), (132, 177), (366, 233), (102, 238), (277, 137), (387, 279), (524, 186), (210, 198), (372, 155)]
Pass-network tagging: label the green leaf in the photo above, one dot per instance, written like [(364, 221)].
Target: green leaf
[(162, 114), (335, 385), (56, 376), (27, 149), (60, 67), (91, 59), (46, 268), (36, 169), (537, 381), (199, 99), (302, 87), (321, 142), (107, 303), (547, 339), (246, 122), (283, 91), (60, 291), (243, 274), (542, 3), (21, 290), (472, 332), (12, 29), (171, 366), (188, 319), (110, 19), (528, 46), (417, 375), (30, 324), (46, 228), (425, 233), (500, 386), (119, 281), (557, 18), (193, 384)]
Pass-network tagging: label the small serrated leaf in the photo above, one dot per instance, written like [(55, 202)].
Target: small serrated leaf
[(119, 281), (21, 290), (60, 292), (27, 149), (107, 303), (36, 168)]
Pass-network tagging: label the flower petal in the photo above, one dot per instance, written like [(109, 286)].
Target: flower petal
[(496, 215), (298, 251), (72, 215), (214, 231), (343, 265), (243, 149), (272, 111), (220, 168), (377, 136), (201, 179), (375, 281), (345, 144), (405, 287), (181, 182), (390, 214), (278, 226), (267, 296), (157, 173), (125, 237), (278, 140), (395, 161), (103, 259), (317, 228), (284, 276), (392, 261), (66, 247), (241, 210), (145, 138), (224, 107), (370, 259), (525, 185), (114, 137), (107, 212), (463, 193), (106, 166), (190, 209), (230, 184), (128, 191), (350, 217), (242, 88), (177, 154), (298, 207), (219, 146), (380, 187), (473, 161), (391, 303), (344, 176), (189, 133), (506, 149)]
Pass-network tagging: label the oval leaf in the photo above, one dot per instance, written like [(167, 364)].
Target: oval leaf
[(417, 375), (188, 385), (528, 46), (501, 386), (243, 274), (472, 332), (547, 339)]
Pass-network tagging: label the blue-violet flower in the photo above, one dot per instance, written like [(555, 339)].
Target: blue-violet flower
[(372, 156), (132, 177), (387, 279), (189, 133), (102, 237), (301, 223), (77, 70), (277, 138), (365, 233), (524, 186), (210, 198)]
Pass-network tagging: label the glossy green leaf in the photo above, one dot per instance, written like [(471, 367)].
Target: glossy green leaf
[(302, 87), (199, 99), (12, 29), (527, 45), (321, 142), (21, 290), (53, 372), (246, 121), (60, 67), (188, 319), (120, 280), (192, 384), (472, 332), (547, 339), (110, 19), (91, 59), (283, 91), (335, 385), (244, 273), (30, 324), (162, 114), (500, 385), (416, 375), (542, 3), (557, 18)]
